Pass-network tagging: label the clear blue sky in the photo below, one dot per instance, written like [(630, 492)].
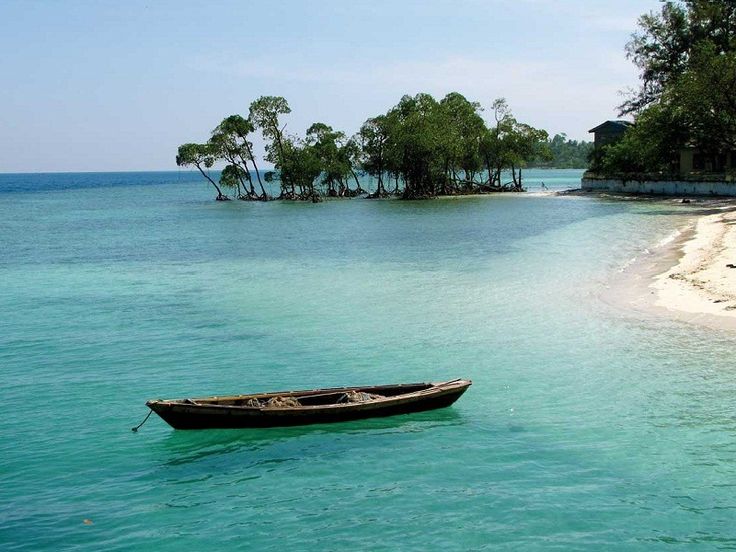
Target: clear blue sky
[(119, 85)]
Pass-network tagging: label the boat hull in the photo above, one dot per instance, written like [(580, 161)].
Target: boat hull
[(181, 415)]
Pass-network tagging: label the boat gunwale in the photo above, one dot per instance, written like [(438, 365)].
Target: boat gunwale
[(439, 388)]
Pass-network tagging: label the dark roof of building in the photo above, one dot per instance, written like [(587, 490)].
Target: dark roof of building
[(615, 125)]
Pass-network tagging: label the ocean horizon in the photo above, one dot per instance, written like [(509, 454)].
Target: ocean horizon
[(557, 179)]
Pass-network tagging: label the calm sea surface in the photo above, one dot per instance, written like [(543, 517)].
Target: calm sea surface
[(585, 428)]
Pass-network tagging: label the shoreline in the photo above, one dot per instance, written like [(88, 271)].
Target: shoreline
[(685, 277)]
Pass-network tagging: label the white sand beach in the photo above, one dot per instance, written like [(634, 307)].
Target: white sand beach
[(702, 284), (686, 276)]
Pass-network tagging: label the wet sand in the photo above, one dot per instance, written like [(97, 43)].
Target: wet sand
[(688, 277)]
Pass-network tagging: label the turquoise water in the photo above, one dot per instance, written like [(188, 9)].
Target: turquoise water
[(586, 428)]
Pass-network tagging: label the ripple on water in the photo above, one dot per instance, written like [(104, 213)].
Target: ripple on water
[(583, 429)]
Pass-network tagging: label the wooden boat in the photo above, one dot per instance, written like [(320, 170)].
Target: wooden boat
[(318, 406)]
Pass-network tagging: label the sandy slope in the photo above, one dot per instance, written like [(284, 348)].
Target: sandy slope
[(701, 283)]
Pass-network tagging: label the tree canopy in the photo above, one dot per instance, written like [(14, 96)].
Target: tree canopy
[(668, 43), (200, 156), (419, 148), (563, 153), (686, 54)]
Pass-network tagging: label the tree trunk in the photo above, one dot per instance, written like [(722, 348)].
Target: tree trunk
[(240, 181), (252, 191), (280, 145), (264, 196), (358, 189), (381, 190), (220, 195)]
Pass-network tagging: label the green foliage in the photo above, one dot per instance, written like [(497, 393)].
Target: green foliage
[(414, 145), (335, 155), (652, 145), (704, 96), (232, 176), (561, 153), (200, 156), (444, 148), (196, 155), (229, 141), (300, 167), (373, 140), (687, 57), (430, 148), (509, 145), (520, 143), (662, 48), (464, 131), (265, 113)]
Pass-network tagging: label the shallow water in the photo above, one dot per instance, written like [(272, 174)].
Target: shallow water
[(584, 429)]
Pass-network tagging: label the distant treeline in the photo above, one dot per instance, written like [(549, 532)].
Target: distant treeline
[(420, 148), (565, 154)]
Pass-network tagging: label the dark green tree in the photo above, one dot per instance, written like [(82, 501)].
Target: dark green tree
[(300, 168), (704, 96), (231, 140), (520, 145), (232, 177), (350, 151), (200, 156), (687, 57), (265, 113), (335, 161), (373, 137), (662, 48), (421, 147), (415, 146), (463, 131), (562, 153)]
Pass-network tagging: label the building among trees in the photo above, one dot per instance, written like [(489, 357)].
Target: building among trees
[(683, 140), (691, 161), (609, 132)]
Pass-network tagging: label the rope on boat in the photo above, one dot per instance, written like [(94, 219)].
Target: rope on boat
[(358, 397), (136, 428)]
